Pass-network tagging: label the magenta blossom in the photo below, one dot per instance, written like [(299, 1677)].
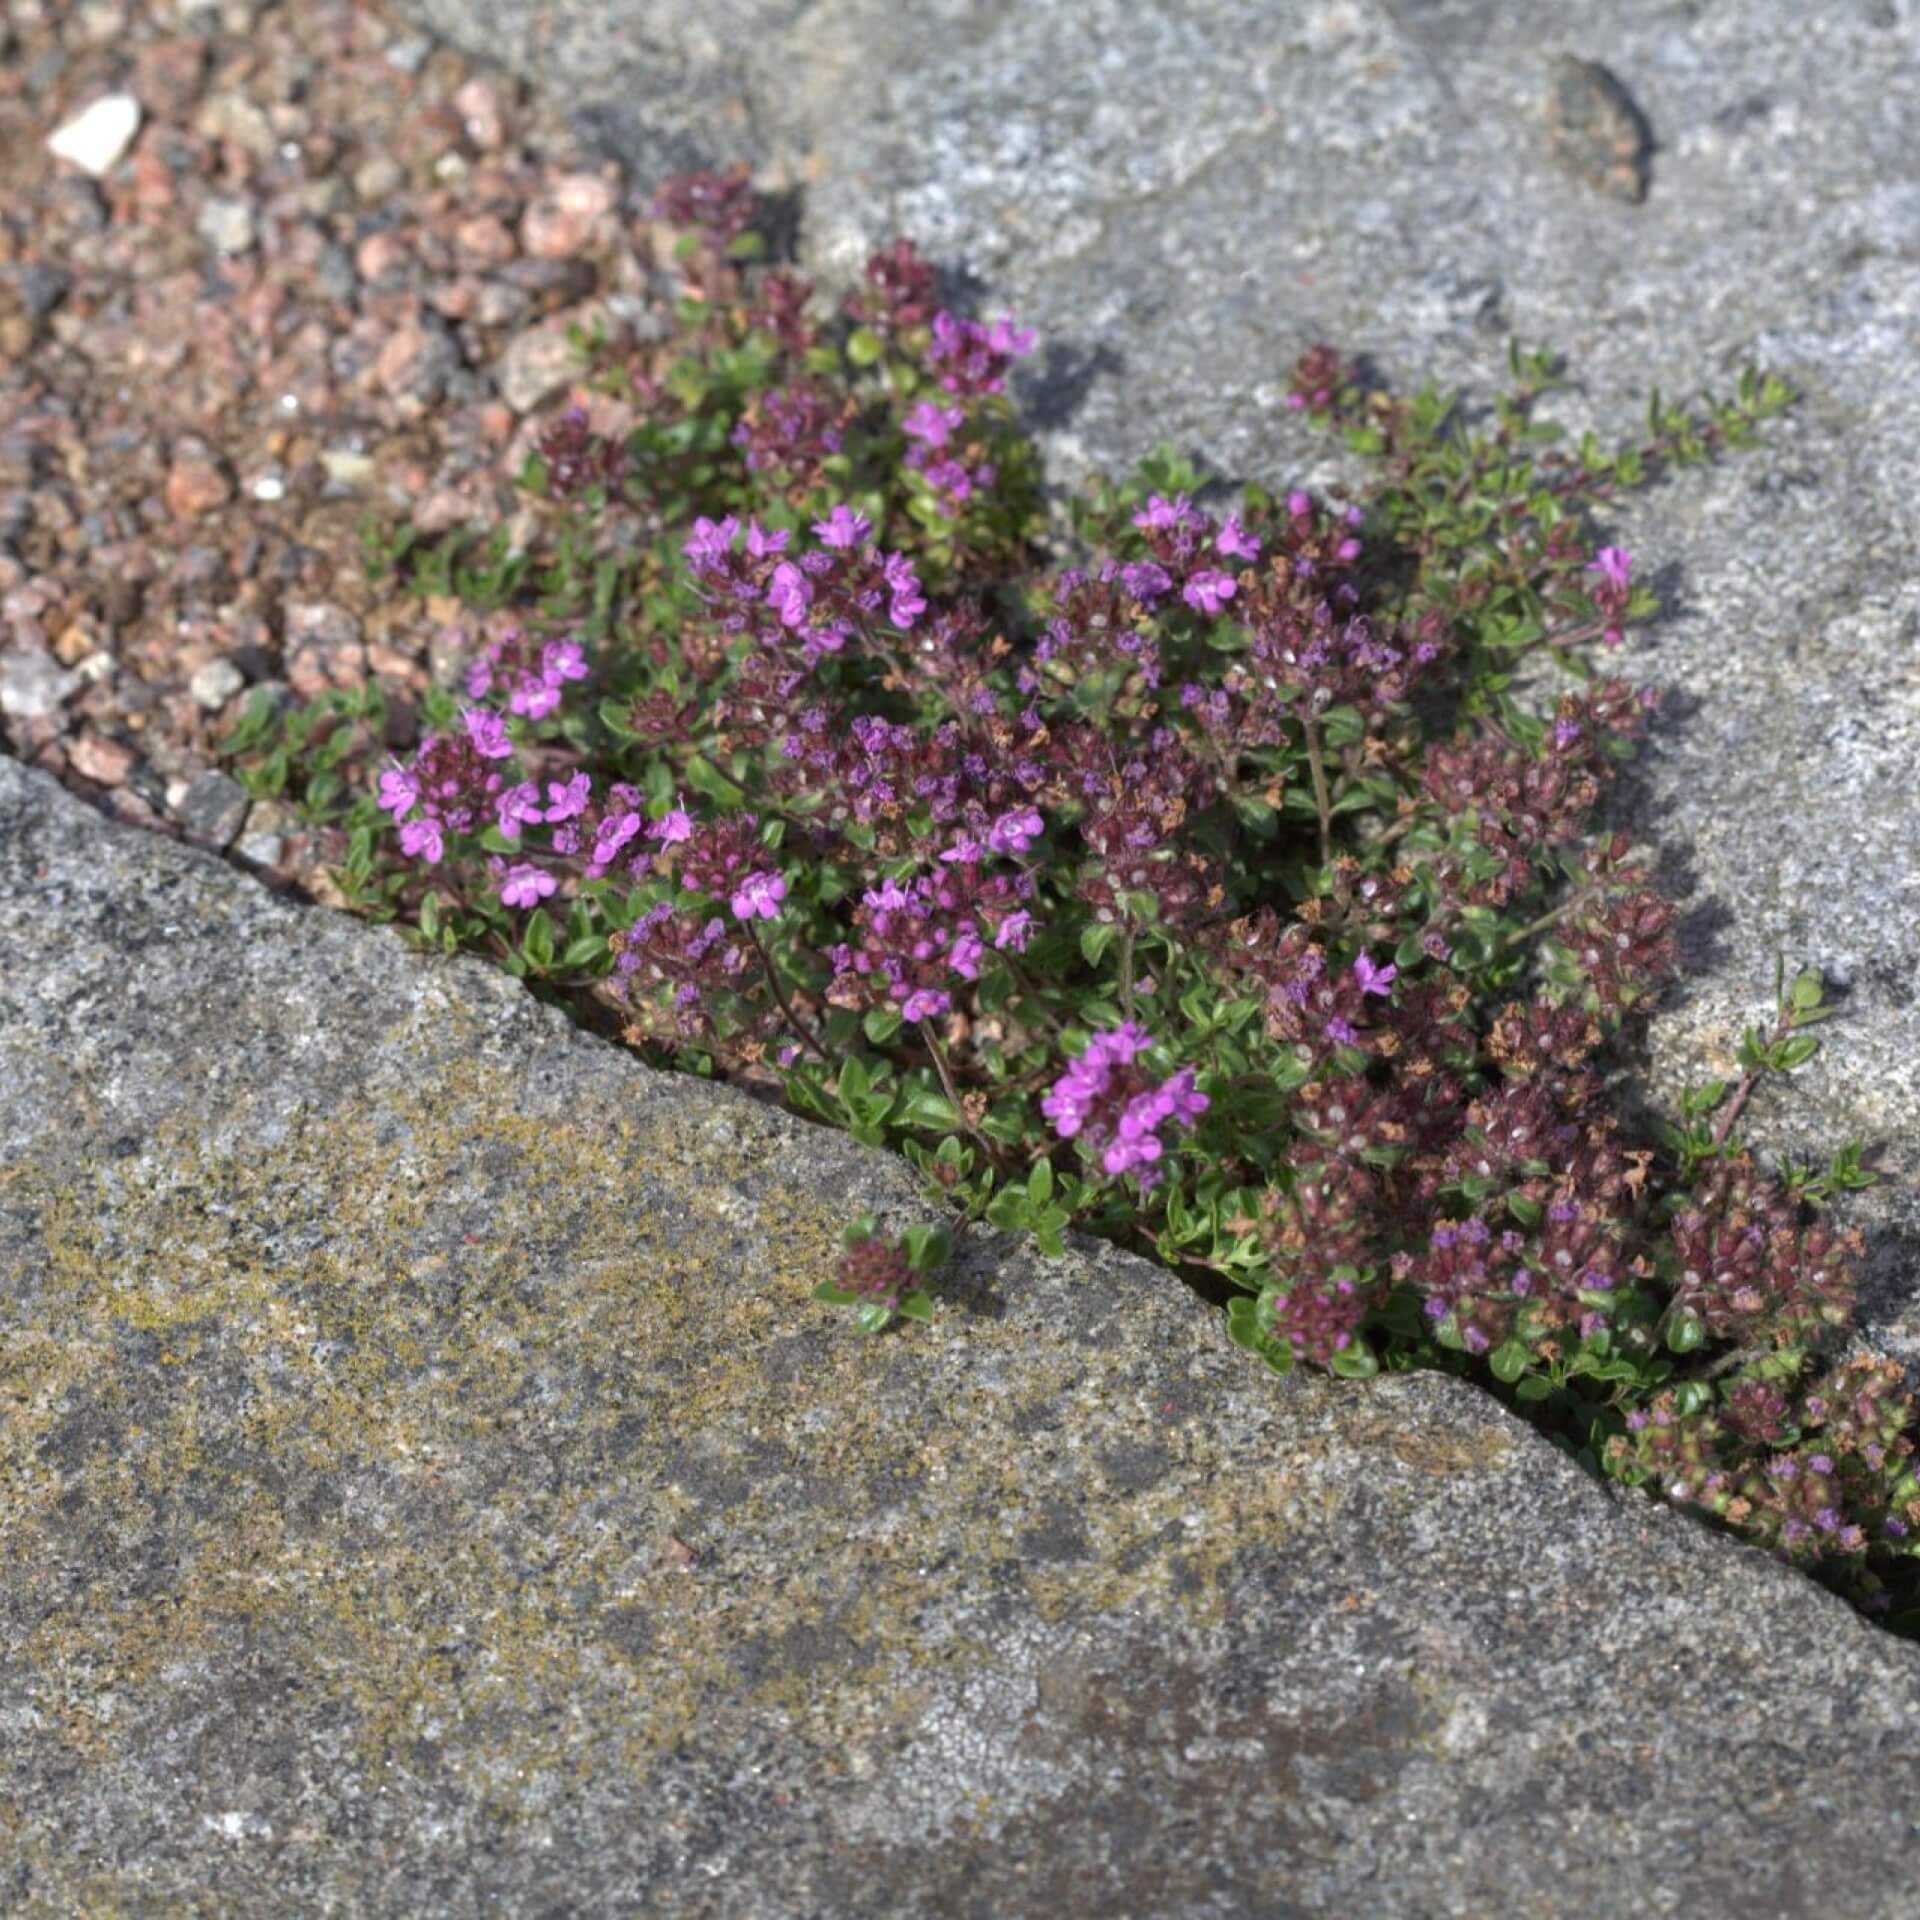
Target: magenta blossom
[(568, 799), (399, 791), (488, 732), (758, 897), (932, 424), (1373, 979), (760, 542), (1105, 1101), (1163, 515), (789, 594), (673, 826), (707, 546), (1208, 590), (843, 528), (1015, 832), (517, 806), (526, 886), (1235, 541), (1014, 931), (1615, 564), (421, 840)]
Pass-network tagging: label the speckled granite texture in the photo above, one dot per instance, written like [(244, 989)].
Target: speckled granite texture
[(1182, 196), (426, 1488)]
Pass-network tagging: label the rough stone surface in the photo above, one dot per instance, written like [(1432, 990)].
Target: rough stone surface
[(1181, 197), (427, 1487)]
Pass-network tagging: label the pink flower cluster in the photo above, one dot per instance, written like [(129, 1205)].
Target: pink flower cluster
[(967, 358), (1188, 546), (823, 598), (793, 431), (1613, 590), (533, 684), (1107, 1101), (915, 938), (447, 785), (931, 429)]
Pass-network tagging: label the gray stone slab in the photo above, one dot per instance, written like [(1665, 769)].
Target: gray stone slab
[(1182, 196), (427, 1488)]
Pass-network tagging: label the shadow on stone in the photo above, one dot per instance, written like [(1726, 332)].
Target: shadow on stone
[(1053, 393)]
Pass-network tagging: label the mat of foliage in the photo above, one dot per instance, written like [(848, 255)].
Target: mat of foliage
[(1223, 880)]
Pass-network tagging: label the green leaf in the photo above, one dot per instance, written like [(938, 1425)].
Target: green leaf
[(881, 1024), (1524, 1208), (853, 1084), (1510, 1360), (1357, 1362), (872, 1319), (926, 1247), (916, 1306), (864, 347), (430, 916), (1243, 1323), (834, 1295), (1096, 939), (1686, 1333), (537, 942), (923, 1107), (1040, 1184), (1806, 991), (1342, 726), (1008, 1209), (1795, 1051)]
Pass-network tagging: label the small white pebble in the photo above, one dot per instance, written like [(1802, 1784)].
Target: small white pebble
[(98, 136), (213, 685), (269, 487)]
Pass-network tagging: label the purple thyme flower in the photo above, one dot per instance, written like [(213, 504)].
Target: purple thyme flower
[(1373, 979), (1015, 832), (1208, 590), (1235, 541), (758, 896), (790, 594), (566, 800), (932, 424), (1616, 564), (1146, 580), (707, 547), (518, 804), (421, 839), (673, 826), (1014, 930), (399, 790), (488, 732), (562, 660), (526, 886), (907, 602), (843, 528)]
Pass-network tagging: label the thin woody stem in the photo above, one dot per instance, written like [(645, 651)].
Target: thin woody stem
[(798, 1027), (1748, 1081), (1322, 800)]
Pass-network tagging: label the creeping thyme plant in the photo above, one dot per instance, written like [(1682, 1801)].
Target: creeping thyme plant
[(1224, 881)]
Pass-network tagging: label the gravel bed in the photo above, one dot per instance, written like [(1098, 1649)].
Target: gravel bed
[(266, 266)]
